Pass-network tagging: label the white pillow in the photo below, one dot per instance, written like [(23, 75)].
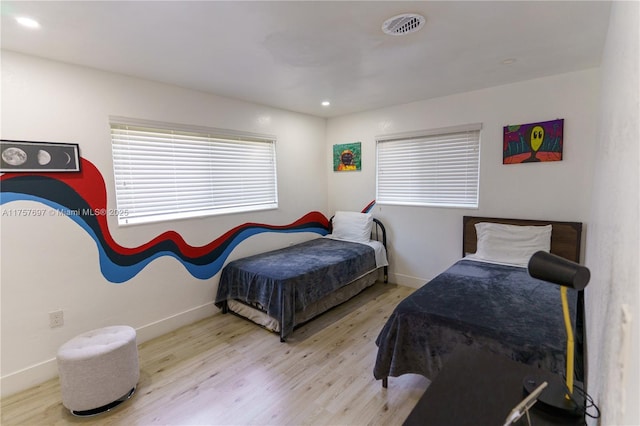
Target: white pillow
[(352, 226), (512, 244)]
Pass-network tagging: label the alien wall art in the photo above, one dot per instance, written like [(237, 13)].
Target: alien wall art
[(533, 142)]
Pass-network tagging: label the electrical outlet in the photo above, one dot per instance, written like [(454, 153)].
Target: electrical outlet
[(56, 319)]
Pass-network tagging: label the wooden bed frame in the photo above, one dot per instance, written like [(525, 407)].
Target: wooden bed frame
[(566, 241), (566, 237)]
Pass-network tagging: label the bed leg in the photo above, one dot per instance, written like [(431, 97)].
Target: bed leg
[(225, 307), (385, 382), (282, 339), (386, 275)]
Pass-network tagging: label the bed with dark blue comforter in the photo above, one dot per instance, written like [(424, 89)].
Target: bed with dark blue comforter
[(495, 307), (312, 276), (489, 306)]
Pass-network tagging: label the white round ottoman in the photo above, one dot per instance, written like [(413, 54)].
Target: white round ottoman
[(98, 369)]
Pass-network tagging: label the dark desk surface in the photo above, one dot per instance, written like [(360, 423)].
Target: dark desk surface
[(478, 388)]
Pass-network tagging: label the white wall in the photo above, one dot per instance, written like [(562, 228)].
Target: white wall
[(613, 244), (425, 241), (50, 263)]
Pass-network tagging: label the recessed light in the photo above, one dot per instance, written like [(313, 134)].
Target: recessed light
[(28, 22), (326, 103), (508, 61)]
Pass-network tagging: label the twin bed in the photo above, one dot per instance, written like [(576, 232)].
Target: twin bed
[(284, 288), (487, 300)]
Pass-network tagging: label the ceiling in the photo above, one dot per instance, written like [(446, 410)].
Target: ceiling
[(293, 55)]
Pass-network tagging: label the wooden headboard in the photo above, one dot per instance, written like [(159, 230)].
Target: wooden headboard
[(565, 236)]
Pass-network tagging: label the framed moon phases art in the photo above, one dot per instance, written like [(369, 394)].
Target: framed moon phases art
[(533, 142), (25, 156)]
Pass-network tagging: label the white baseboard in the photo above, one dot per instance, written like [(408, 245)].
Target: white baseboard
[(28, 377), (167, 325), (38, 373), (407, 280)]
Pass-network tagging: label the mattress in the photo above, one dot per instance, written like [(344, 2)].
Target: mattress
[(495, 307), (284, 282)]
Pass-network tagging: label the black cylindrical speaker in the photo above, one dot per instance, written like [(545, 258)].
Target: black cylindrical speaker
[(558, 270)]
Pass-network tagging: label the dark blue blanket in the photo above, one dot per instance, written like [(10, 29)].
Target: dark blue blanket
[(493, 307), (288, 280)]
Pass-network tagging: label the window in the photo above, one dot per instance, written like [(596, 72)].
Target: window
[(165, 172), (430, 168)]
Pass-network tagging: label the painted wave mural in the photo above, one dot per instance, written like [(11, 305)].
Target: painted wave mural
[(82, 197)]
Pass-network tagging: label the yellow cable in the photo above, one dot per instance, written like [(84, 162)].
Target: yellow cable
[(570, 343)]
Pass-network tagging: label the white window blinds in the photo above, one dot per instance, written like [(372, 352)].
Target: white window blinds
[(163, 173), (431, 168)]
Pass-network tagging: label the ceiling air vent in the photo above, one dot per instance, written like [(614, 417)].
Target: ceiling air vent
[(403, 24)]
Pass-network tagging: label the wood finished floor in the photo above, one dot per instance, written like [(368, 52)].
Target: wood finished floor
[(224, 370)]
